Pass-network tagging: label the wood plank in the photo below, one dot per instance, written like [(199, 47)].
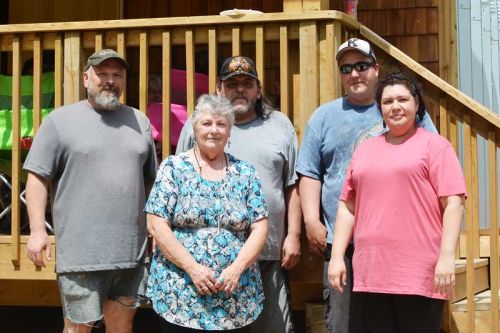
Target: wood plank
[(143, 72), (284, 72), (166, 80), (494, 238), (15, 212), (212, 60), (236, 41), (190, 84), (443, 117), (29, 293), (37, 83), (122, 50), (72, 68), (482, 301), (259, 54)]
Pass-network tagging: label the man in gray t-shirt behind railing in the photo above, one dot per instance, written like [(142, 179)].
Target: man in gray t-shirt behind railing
[(267, 140), (97, 156)]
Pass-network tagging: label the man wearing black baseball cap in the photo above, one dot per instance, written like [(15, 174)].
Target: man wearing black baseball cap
[(97, 158), (332, 133), (267, 139)]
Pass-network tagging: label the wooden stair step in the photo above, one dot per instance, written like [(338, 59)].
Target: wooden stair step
[(481, 278), (482, 302)]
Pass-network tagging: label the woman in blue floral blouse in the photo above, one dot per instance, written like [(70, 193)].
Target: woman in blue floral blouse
[(207, 215)]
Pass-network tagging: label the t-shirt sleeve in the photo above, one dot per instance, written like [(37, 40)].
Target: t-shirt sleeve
[(348, 190), (445, 172), (290, 176), (256, 205), (309, 159), (164, 193), (186, 138), (46, 155)]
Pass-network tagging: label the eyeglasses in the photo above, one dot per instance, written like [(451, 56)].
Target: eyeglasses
[(360, 66)]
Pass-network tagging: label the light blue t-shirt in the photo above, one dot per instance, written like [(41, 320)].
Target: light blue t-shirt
[(333, 132)]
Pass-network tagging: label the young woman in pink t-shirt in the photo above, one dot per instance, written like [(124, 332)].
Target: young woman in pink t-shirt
[(402, 205)]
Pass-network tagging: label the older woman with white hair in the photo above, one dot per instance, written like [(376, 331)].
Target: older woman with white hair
[(207, 215)]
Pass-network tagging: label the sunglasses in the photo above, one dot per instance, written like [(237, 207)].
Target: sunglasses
[(360, 66), (239, 64)]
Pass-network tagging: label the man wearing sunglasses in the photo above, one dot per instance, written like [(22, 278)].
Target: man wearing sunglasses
[(266, 138), (332, 134)]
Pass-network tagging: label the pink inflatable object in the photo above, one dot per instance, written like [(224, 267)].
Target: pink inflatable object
[(178, 116)]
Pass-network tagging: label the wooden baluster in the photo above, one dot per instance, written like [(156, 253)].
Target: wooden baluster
[(98, 41), (58, 71), (165, 93), (212, 60), (284, 73), (37, 82), (122, 50), (143, 71), (259, 54), (469, 226), (16, 151), (327, 63), (190, 70), (236, 41)]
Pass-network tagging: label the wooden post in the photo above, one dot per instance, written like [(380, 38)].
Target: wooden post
[(284, 72), (259, 54), (72, 69), (212, 60), (309, 76), (448, 65), (493, 203)]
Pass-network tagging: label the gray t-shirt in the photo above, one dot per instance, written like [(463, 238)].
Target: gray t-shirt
[(98, 163), (270, 145)]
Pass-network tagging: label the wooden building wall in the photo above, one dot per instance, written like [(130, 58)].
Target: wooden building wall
[(410, 25)]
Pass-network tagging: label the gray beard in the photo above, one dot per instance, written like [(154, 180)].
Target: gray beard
[(108, 102)]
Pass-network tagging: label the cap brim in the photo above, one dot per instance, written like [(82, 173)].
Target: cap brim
[(233, 74), (347, 49)]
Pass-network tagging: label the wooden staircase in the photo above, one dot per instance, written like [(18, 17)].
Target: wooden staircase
[(455, 314)]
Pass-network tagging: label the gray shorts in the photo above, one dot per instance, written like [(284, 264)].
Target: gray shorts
[(277, 314), (83, 293)]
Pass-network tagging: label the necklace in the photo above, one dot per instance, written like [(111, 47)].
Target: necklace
[(199, 165)]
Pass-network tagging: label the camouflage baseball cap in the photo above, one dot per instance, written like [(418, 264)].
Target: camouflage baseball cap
[(105, 54)]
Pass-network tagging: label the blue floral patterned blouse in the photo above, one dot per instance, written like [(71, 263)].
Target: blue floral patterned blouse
[(211, 220)]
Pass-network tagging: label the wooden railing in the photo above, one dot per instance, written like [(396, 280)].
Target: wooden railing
[(295, 49)]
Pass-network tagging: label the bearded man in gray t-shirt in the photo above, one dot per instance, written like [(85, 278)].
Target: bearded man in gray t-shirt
[(97, 157), (267, 140)]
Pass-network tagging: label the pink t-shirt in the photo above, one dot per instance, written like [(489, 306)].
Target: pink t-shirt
[(398, 216)]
